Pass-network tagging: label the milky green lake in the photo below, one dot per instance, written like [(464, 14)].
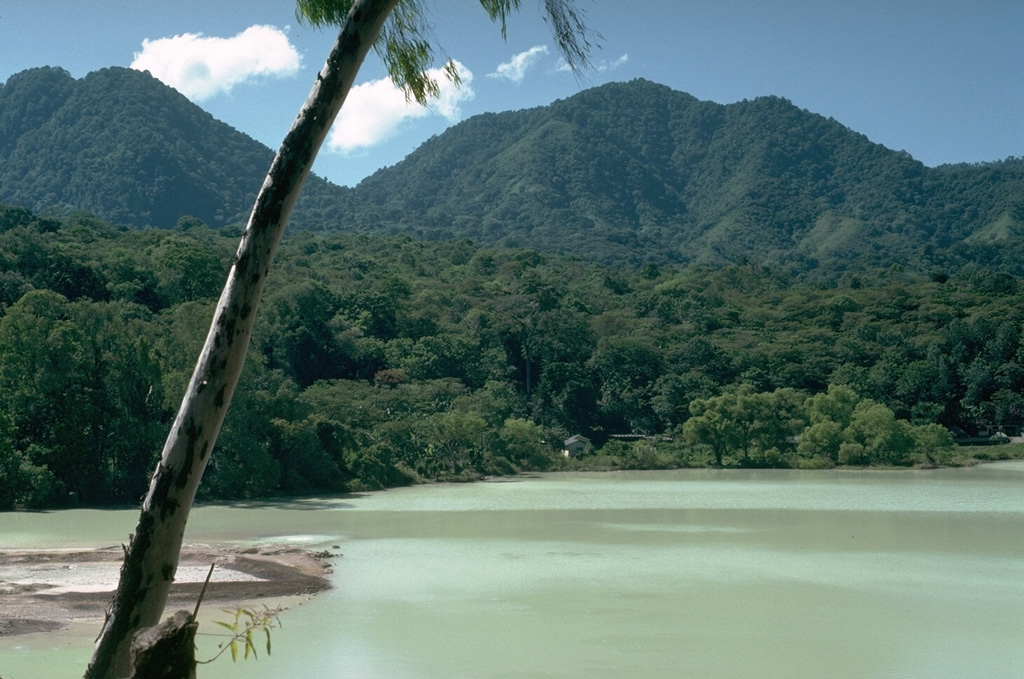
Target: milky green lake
[(696, 573)]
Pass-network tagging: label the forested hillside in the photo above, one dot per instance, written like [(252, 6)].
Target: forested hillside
[(624, 174), (632, 172), (384, 360), (121, 144)]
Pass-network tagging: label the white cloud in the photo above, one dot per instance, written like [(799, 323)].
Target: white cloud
[(515, 69), (374, 110), (599, 66), (200, 67), (618, 62)]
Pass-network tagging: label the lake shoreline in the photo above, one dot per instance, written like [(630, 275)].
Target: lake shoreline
[(48, 589)]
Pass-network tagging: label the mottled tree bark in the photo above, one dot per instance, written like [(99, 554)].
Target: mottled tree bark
[(166, 651), (151, 557)]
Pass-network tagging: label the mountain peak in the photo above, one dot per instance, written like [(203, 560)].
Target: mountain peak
[(123, 145)]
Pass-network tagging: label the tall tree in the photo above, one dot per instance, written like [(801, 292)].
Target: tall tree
[(403, 42)]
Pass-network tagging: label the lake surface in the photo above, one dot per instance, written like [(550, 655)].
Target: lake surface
[(696, 573)]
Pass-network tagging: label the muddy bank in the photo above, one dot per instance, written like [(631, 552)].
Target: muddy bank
[(43, 590)]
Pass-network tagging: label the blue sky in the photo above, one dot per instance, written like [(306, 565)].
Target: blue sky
[(941, 80)]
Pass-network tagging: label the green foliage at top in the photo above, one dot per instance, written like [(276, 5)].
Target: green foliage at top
[(407, 43), (323, 13), (380, 361)]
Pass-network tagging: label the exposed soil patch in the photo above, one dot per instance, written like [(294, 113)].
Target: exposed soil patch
[(43, 590)]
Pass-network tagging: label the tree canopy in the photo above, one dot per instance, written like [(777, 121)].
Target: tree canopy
[(366, 341)]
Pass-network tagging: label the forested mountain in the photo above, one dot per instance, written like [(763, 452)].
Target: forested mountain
[(122, 145), (624, 173), (628, 172)]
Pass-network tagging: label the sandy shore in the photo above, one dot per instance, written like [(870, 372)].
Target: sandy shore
[(43, 590)]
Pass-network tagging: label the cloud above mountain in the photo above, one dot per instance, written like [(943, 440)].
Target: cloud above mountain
[(514, 70), (201, 67), (599, 66), (375, 110)]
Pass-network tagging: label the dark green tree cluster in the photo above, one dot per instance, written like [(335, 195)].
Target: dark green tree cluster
[(783, 428), (380, 361)]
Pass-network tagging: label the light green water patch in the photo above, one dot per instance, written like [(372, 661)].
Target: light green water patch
[(976, 489), (712, 574)]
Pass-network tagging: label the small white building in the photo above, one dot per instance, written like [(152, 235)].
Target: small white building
[(577, 445)]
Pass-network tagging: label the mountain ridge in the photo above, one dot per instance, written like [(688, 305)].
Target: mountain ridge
[(724, 180), (623, 173)]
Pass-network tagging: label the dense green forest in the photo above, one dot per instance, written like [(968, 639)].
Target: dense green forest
[(380, 361), (623, 174)]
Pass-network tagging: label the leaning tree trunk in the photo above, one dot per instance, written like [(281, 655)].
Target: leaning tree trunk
[(151, 557)]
